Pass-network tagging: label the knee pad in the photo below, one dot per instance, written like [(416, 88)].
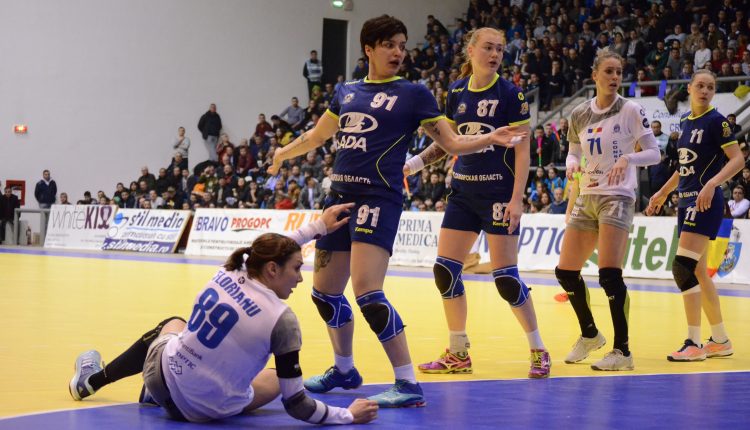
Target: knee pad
[(510, 286), (571, 281), (380, 315), (683, 270), (448, 277), (610, 279), (335, 310)]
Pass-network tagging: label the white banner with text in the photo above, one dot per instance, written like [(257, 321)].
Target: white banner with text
[(78, 226), (146, 230)]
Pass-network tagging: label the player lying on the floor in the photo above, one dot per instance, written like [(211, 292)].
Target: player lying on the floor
[(212, 366)]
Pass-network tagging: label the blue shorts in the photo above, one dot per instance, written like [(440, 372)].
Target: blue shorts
[(373, 220), (706, 223), (476, 212)]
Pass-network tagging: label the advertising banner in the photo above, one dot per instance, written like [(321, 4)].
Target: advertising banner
[(218, 232), (146, 230), (78, 226)]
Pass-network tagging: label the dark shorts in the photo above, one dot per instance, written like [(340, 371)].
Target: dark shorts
[(373, 220), (476, 212), (705, 223), (153, 378)]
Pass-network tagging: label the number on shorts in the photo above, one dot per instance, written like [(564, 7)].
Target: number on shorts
[(618, 206), (690, 214), (221, 319), (487, 105), (364, 212), (497, 211)]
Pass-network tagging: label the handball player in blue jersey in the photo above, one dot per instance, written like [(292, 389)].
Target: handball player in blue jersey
[(709, 156), (487, 194), (373, 119)]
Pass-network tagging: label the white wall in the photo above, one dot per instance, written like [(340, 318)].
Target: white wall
[(104, 84)]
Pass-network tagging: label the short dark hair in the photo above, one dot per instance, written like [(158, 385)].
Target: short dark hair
[(376, 30)]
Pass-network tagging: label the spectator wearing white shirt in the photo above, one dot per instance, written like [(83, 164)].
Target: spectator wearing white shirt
[(739, 205)]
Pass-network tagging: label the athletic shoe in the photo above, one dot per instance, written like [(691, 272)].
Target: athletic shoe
[(447, 363), (614, 360), (585, 346), (87, 364), (333, 378), (716, 349), (403, 394), (540, 364), (688, 352)]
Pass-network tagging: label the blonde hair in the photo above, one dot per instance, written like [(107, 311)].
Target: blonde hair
[(702, 72), (605, 54), (471, 39)]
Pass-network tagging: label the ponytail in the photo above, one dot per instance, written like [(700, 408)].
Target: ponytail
[(266, 248), (238, 257)]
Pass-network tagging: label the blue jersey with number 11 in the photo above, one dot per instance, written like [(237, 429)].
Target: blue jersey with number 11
[(376, 121), (480, 111), (701, 151)]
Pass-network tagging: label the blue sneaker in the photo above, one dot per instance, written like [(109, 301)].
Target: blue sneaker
[(334, 378), (87, 364), (403, 394)]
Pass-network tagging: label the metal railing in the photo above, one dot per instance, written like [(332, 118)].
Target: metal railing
[(590, 87)]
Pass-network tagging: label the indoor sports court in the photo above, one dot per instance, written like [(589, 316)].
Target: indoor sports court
[(57, 304)]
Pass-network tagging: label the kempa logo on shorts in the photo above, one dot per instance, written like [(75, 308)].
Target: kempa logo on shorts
[(356, 122), (472, 128), (687, 156)]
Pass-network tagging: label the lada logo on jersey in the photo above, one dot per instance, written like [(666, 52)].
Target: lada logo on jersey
[(687, 157), (356, 122), (472, 128)]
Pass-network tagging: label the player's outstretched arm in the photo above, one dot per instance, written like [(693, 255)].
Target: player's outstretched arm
[(309, 140), (431, 154), (440, 131)]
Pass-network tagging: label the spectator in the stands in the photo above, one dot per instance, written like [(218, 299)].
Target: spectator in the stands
[(148, 178), (210, 127), (178, 161), (311, 196), (162, 181), (739, 205), (45, 190), (293, 114), (263, 128), (181, 143), (313, 72)]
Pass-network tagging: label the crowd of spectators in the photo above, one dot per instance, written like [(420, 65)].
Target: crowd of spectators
[(550, 47)]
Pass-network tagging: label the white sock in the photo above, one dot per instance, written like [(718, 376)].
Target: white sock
[(535, 340), (405, 372), (459, 342), (694, 334), (344, 364), (718, 333)]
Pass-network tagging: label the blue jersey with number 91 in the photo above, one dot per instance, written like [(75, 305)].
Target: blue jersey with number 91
[(376, 121), (481, 111)]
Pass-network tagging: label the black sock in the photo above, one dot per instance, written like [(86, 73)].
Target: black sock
[(129, 362), (578, 294), (619, 305)]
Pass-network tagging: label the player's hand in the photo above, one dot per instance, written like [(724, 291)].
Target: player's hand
[(512, 215), (617, 173), (363, 410), (509, 136), (703, 201), (570, 172), (655, 203), (330, 216), (406, 170)]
